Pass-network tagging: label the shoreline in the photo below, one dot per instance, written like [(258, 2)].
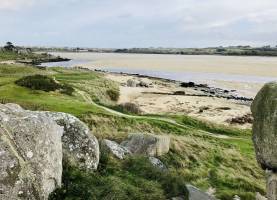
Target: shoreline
[(212, 91), (154, 95)]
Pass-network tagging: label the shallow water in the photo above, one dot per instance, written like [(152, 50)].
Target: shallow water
[(179, 67)]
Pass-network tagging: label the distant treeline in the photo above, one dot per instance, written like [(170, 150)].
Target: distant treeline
[(227, 51)]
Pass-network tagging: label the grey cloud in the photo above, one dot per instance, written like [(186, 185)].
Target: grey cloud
[(127, 23)]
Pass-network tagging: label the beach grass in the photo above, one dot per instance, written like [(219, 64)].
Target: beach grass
[(197, 153)]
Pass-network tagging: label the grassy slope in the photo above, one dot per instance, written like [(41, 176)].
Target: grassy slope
[(228, 165)]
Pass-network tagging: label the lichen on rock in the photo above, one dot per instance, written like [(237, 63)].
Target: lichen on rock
[(264, 110), (147, 144), (80, 146), (33, 145), (116, 149), (30, 154)]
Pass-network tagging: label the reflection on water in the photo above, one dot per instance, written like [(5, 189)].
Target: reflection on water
[(70, 63)]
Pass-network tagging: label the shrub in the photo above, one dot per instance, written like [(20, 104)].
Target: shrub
[(134, 178), (113, 94), (130, 108), (67, 89), (172, 183), (39, 82), (44, 83)]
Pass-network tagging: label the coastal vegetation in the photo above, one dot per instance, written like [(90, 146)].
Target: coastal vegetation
[(134, 178), (10, 52), (216, 158), (44, 83), (209, 156), (226, 51)]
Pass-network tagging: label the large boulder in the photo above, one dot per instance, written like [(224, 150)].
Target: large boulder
[(264, 110), (30, 154), (116, 149), (80, 146), (147, 144)]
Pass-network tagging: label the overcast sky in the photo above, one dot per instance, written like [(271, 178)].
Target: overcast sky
[(138, 23)]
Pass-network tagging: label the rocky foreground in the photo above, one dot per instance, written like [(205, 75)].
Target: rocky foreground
[(34, 145)]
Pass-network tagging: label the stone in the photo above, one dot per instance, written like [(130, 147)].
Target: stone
[(196, 194), (116, 149), (236, 197), (143, 84), (131, 83), (271, 185), (179, 93), (187, 84), (147, 144), (157, 163), (30, 154), (80, 146), (260, 197), (264, 110), (178, 198)]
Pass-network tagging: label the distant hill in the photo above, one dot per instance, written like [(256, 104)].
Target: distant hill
[(225, 51)]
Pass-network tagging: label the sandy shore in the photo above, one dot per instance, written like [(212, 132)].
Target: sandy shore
[(244, 74), (156, 100)]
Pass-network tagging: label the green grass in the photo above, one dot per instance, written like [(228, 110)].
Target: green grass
[(228, 165), (39, 100), (94, 84), (133, 178), (211, 127), (207, 126), (17, 71), (53, 101)]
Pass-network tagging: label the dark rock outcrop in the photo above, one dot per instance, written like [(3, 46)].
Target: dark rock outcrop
[(116, 149), (30, 154), (147, 144), (157, 163), (80, 147), (33, 146), (264, 110)]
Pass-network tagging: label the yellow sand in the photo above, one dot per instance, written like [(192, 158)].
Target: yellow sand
[(151, 103)]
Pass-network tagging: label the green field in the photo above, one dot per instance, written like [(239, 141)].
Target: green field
[(206, 155)]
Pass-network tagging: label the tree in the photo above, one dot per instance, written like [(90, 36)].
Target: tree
[(9, 46)]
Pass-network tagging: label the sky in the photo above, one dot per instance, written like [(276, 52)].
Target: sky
[(138, 23)]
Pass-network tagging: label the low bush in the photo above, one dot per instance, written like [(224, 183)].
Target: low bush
[(134, 178), (173, 184), (130, 108), (39, 82), (67, 89), (44, 83), (113, 94)]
